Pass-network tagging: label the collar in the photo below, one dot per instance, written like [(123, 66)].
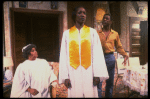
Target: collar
[(112, 31), (81, 28)]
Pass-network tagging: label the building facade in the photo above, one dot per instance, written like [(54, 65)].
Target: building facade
[(43, 23)]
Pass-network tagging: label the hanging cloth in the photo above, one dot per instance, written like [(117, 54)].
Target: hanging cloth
[(85, 47)]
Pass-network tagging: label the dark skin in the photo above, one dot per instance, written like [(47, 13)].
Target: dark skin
[(106, 25), (80, 20), (33, 54), (106, 22)]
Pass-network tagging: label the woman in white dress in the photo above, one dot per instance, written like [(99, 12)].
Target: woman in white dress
[(32, 77)]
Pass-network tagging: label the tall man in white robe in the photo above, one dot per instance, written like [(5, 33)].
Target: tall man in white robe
[(32, 77), (82, 65)]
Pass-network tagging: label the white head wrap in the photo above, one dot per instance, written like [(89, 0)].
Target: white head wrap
[(25, 47)]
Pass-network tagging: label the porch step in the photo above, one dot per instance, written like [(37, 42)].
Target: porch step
[(136, 37), (136, 53), (136, 45)]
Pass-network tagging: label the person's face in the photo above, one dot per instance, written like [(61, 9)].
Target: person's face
[(80, 15), (33, 53), (106, 20)]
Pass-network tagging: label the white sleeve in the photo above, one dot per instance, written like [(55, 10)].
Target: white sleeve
[(50, 72), (63, 66), (99, 65), (19, 84)]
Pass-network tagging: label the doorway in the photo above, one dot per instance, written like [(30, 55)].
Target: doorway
[(42, 28), (139, 38), (144, 42)]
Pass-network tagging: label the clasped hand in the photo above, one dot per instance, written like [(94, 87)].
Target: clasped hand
[(32, 91)]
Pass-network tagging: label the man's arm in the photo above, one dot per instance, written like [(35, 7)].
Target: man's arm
[(120, 49)]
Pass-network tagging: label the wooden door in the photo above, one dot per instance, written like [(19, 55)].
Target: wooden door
[(137, 39), (20, 38), (43, 32), (40, 27), (144, 42)]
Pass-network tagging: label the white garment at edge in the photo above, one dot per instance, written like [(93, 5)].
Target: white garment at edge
[(82, 79), (37, 74), (8, 74)]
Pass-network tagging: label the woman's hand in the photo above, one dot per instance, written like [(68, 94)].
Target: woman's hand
[(32, 91), (96, 80), (67, 83)]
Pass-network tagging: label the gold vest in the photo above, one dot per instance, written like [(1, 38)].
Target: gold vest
[(85, 47)]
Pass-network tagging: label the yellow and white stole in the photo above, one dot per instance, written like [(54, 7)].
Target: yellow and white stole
[(85, 47)]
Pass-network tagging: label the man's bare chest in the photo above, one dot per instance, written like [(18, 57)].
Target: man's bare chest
[(106, 34)]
